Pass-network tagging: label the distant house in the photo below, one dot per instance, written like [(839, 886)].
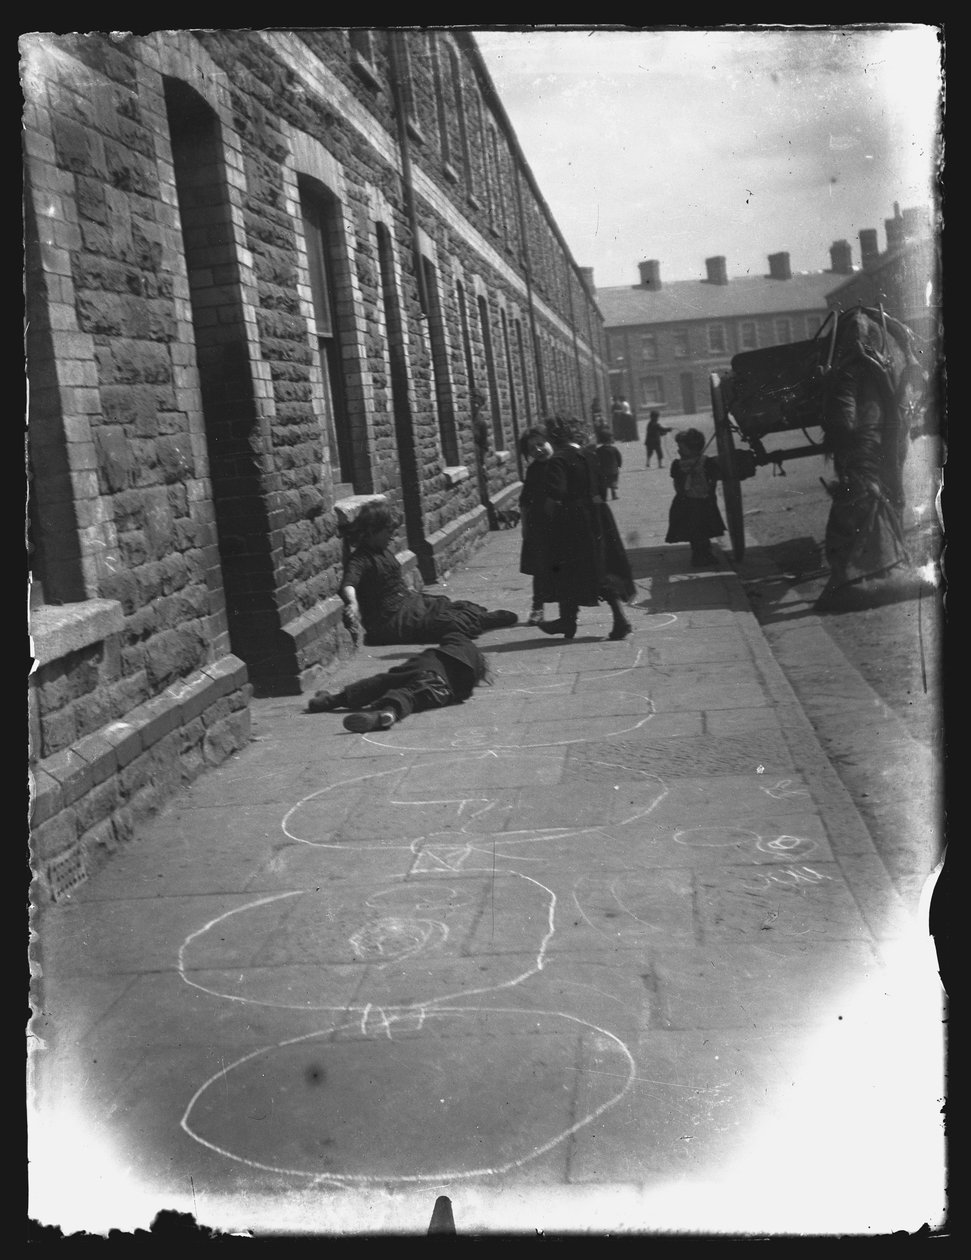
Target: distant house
[(664, 340)]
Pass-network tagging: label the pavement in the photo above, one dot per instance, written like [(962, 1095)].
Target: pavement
[(607, 949)]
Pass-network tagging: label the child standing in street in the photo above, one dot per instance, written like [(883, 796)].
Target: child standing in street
[(377, 598), (694, 516), (609, 459), (652, 438)]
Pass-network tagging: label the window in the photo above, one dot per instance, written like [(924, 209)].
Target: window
[(783, 330), (362, 43), (443, 385), (318, 212), (748, 335), (652, 390), (497, 433), (813, 325), (521, 347), (456, 71), (444, 140), (513, 406), (716, 338), (649, 347), (497, 174), (682, 348), (362, 56), (483, 149)]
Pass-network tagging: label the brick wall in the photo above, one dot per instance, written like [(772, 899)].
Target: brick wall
[(199, 410)]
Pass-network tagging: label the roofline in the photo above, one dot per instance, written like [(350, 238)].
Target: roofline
[(465, 37)]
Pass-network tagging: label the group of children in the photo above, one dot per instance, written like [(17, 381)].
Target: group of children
[(570, 547)]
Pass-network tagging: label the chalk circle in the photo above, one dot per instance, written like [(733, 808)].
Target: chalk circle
[(316, 949), (715, 837), (656, 621), (788, 846), (393, 939), (410, 1096)]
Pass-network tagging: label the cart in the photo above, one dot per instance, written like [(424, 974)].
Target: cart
[(791, 387)]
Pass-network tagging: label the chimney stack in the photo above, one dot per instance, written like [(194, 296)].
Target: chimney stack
[(916, 222), (779, 268), (841, 257), (894, 228), (869, 246), (717, 270), (587, 273), (650, 274)]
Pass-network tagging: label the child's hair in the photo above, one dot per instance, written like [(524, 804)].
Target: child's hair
[(372, 519), (562, 430), (692, 440), (655, 415), (605, 435), (526, 439)]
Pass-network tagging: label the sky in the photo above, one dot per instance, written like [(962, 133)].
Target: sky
[(678, 145)]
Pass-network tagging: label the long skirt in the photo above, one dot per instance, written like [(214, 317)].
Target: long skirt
[(694, 520), (427, 619)]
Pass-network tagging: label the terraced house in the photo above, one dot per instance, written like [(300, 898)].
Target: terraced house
[(269, 275)]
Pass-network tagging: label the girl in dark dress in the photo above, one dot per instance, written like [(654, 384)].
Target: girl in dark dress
[(694, 516), (377, 597), (533, 557), (588, 563)]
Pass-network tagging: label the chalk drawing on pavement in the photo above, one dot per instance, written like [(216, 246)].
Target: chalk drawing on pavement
[(329, 1138), (716, 837), (779, 791)]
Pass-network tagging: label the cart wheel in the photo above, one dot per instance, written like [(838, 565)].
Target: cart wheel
[(731, 486)]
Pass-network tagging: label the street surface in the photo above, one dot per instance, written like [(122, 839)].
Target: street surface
[(609, 948)]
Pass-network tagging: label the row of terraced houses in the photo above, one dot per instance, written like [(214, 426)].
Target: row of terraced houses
[(269, 275)]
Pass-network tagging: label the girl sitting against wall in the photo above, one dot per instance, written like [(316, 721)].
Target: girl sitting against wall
[(378, 600)]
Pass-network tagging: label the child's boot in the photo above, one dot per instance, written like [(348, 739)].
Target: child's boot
[(370, 720)]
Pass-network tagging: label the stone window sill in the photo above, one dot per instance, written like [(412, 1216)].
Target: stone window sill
[(365, 71), (503, 456), (454, 475), (415, 132), (59, 629)]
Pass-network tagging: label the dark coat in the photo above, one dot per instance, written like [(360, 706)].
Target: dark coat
[(694, 520), (587, 558), (533, 557), (610, 460)]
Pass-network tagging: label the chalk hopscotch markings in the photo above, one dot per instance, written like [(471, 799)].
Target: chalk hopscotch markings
[(394, 939), (784, 788), (613, 896), (475, 803), (383, 940), (788, 846), (398, 930), (361, 1114), (716, 837), (793, 877)]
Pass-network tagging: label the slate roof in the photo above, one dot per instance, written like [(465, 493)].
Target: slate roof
[(678, 301)]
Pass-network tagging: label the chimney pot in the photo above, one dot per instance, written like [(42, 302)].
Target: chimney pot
[(895, 230), (779, 268), (717, 270), (841, 257), (869, 246), (650, 274), (587, 273)]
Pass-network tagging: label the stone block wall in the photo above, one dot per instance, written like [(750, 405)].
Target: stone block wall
[(266, 270)]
